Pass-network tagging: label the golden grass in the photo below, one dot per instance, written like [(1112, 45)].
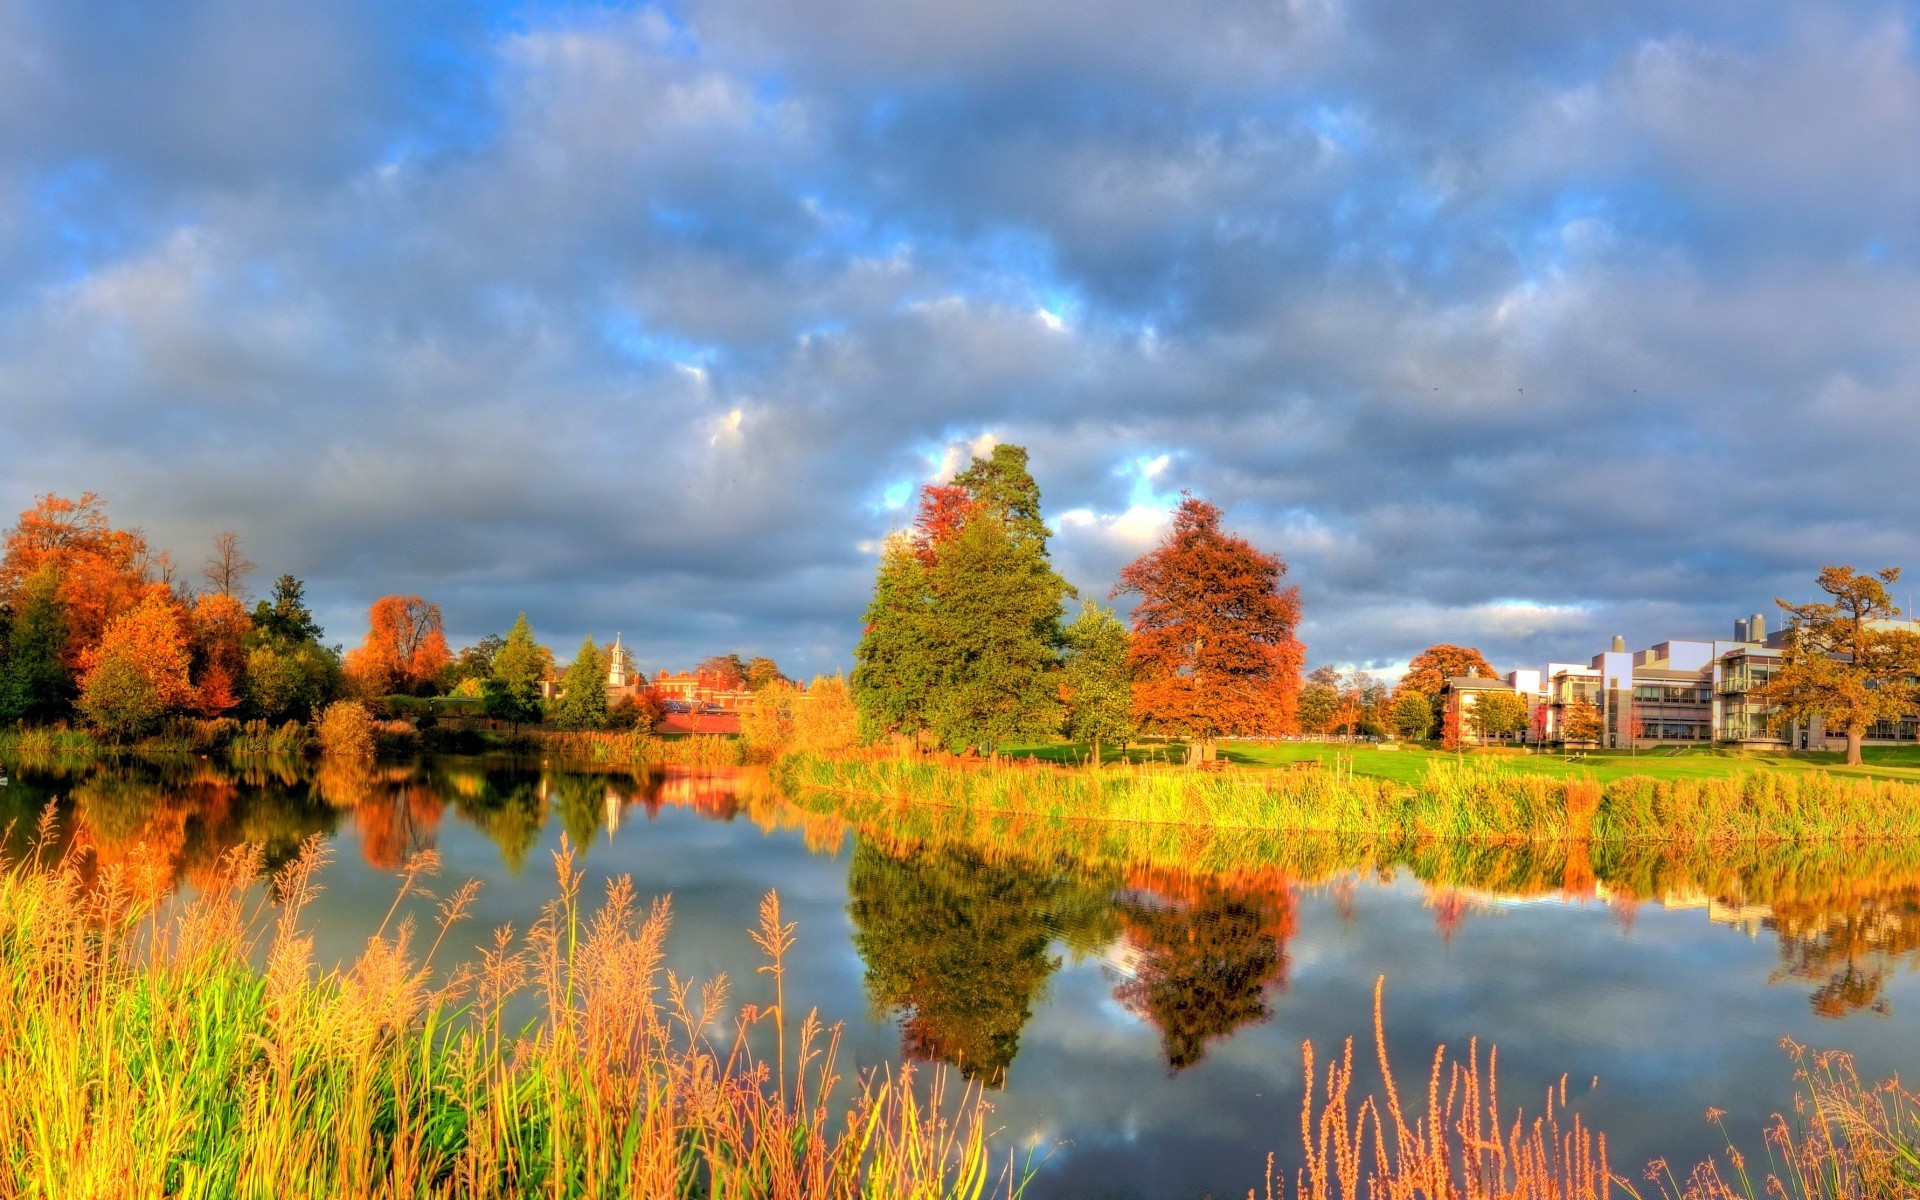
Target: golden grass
[(143, 1053)]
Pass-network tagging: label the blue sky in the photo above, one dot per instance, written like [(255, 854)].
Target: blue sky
[(1511, 324)]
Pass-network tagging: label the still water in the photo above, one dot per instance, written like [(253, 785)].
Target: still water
[(1144, 1026)]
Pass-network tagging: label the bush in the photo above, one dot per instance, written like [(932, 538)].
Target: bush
[(345, 730)]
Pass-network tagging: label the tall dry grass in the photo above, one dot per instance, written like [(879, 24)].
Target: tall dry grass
[(143, 1053)]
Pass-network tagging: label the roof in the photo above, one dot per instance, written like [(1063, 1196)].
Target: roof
[(1477, 683)]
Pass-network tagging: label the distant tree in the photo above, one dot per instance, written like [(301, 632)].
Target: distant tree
[(405, 650), (1213, 652), (1319, 700), (583, 691), (766, 727), (510, 690), (762, 671), (474, 662), (1497, 716), (226, 568), (1412, 716), (1435, 665), (102, 572), (286, 618), (35, 681), (1002, 485), (1097, 682), (1580, 721), (1843, 663), (723, 671), (139, 669), (1450, 727)]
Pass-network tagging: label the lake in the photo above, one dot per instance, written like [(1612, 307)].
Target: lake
[(1142, 1027)]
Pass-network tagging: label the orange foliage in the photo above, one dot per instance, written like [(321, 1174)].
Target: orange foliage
[(153, 638), (219, 624), (405, 647), (1436, 664), (102, 570), (1213, 647), (944, 508)]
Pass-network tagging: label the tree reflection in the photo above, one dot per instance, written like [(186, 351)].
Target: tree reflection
[(1852, 946), (1203, 958), (959, 949)]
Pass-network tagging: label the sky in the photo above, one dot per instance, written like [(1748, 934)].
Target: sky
[(1506, 323)]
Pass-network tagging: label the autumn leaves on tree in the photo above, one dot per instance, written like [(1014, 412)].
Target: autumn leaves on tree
[(964, 643)]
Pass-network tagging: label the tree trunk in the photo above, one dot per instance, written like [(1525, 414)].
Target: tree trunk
[(1095, 760), (1854, 735)]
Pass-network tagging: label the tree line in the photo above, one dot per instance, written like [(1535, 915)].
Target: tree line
[(97, 626), (965, 644)]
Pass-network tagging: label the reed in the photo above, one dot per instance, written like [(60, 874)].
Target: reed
[(631, 747), (144, 1054)]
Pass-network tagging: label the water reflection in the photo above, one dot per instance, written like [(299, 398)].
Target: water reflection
[(960, 943)]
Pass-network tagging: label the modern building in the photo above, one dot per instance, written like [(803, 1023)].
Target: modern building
[(1676, 692)]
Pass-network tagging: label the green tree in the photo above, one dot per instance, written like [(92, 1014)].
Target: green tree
[(1098, 682), (1320, 700), (762, 671), (995, 625), (963, 632), (120, 698), (474, 662), (895, 668), (286, 618), (583, 691), (1496, 716), (35, 683), (1412, 715), (290, 682), (1845, 662), (511, 691), (1580, 721)]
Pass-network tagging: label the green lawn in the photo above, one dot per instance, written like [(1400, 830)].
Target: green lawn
[(1409, 763)]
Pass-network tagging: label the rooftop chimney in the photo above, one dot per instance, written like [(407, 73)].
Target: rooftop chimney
[(1619, 644)]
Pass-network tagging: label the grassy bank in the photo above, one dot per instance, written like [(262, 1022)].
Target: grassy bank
[(1454, 798), (1408, 762), (144, 1054)]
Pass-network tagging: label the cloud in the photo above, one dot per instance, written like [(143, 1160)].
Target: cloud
[(1501, 323)]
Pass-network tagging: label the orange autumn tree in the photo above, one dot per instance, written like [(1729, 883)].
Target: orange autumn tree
[(219, 625), (139, 670), (405, 648), (1213, 652), (102, 571)]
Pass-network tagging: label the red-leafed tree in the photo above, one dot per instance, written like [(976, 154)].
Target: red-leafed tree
[(405, 649), (1436, 664), (1213, 650), (102, 571), (943, 511)]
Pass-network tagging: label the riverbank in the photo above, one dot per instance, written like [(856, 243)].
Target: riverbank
[(1469, 798), (144, 1054)]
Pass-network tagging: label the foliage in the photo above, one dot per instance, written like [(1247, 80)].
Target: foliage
[(1412, 716), (346, 730), (1319, 701), (1213, 651), (139, 668), (583, 691), (474, 662), (35, 682), (762, 671), (520, 659), (1097, 682), (405, 649), (825, 721), (1580, 721), (641, 709), (219, 629), (1498, 715), (1843, 663), (723, 671), (102, 571), (286, 618), (963, 631), (289, 682), (766, 727), (143, 1052)]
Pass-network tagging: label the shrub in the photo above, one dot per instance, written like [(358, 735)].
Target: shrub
[(345, 730)]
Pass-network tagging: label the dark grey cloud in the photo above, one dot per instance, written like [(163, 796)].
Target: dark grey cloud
[(1510, 324)]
